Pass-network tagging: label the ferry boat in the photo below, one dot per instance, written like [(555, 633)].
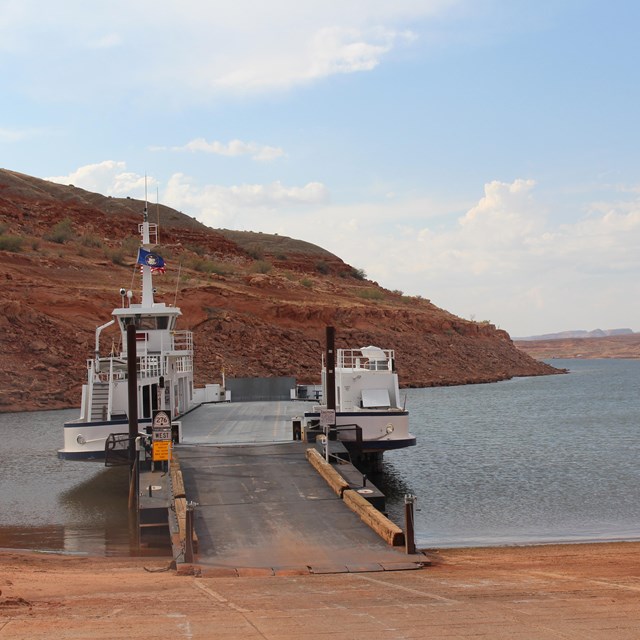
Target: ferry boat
[(164, 362), (361, 386)]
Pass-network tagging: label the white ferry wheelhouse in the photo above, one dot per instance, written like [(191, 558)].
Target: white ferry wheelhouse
[(164, 363), (369, 418)]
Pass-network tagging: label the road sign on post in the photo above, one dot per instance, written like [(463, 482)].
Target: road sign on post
[(327, 417), (161, 436)]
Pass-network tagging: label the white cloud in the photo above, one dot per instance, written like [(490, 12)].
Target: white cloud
[(326, 51), (505, 259), (182, 46), (233, 148), (239, 205), (109, 178)]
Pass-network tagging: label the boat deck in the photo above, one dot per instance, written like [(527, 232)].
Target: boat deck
[(262, 508), (240, 423)]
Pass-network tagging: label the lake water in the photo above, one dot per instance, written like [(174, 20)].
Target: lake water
[(51, 504), (529, 460)]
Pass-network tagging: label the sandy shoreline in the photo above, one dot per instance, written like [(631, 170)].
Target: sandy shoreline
[(552, 591)]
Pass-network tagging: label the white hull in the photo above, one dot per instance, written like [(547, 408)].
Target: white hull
[(86, 440), (377, 434)]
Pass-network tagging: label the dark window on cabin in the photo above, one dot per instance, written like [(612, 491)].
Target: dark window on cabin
[(146, 323)]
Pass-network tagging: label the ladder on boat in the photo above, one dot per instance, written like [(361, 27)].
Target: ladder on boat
[(100, 401)]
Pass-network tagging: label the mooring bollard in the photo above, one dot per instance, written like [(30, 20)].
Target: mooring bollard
[(409, 533)]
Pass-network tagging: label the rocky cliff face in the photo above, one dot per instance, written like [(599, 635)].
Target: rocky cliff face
[(258, 304)]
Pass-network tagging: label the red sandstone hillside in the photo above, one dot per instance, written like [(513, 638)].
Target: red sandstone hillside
[(258, 304)]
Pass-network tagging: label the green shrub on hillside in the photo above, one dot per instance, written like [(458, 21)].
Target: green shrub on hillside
[(371, 294), (10, 243), (116, 256), (256, 252), (261, 266), (61, 232), (90, 240), (196, 248), (322, 267), (206, 266)]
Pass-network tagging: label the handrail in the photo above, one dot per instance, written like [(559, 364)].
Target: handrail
[(97, 352), (353, 359)]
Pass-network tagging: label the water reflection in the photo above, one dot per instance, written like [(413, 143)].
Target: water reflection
[(56, 505)]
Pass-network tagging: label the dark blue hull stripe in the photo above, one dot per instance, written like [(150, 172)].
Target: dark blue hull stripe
[(380, 445), (359, 414), (80, 455)]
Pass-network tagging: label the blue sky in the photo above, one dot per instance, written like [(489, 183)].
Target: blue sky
[(480, 153)]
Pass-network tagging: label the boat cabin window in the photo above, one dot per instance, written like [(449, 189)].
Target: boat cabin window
[(147, 322), (162, 322)]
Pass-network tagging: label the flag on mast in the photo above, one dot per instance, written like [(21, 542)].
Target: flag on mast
[(150, 259)]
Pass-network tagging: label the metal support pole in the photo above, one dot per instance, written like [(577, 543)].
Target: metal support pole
[(132, 387), (409, 534), (134, 479), (188, 543)]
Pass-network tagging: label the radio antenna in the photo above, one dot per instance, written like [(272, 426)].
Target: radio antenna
[(145, 215)]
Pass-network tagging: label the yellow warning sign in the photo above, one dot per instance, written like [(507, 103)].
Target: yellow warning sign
[(161, 450)]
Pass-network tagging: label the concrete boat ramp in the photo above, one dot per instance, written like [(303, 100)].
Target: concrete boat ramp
[(263, 509)]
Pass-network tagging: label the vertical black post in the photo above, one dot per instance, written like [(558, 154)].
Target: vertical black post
[(188, 543), (330, 378), (132, 375), (409, 534)]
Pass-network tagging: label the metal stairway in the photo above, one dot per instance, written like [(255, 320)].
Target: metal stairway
[(99, 401)]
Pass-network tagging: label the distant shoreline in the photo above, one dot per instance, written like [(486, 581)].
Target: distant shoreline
[(618, 347)]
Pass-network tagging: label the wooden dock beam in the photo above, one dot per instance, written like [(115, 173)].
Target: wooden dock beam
[(182, 543), (390, 532)]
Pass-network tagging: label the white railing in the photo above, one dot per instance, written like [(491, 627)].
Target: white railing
[(113, 374), (184, 364), (182, 340), (354, 359), (150, 366)]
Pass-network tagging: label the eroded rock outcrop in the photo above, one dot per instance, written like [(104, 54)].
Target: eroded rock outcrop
[(258, 304)]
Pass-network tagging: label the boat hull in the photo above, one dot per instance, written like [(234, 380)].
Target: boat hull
[(86, 440), (375, 425)]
